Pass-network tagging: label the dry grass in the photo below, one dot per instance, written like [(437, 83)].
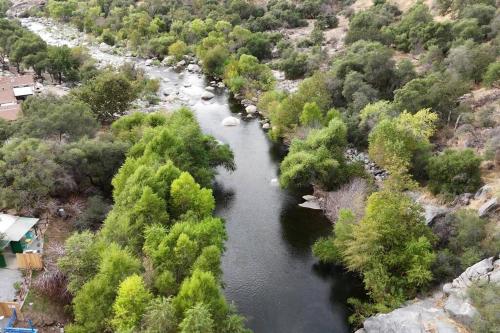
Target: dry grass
[(350, 196)]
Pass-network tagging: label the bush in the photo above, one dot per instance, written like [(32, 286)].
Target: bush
[(492, 75), (294, 65), (454, 172), (486, 299), (95, 213)]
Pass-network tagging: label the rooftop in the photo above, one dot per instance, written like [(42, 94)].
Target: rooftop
[(15, 227)]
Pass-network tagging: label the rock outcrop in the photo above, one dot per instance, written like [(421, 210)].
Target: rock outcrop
[(446, 311)]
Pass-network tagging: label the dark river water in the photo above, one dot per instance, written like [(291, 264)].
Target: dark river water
[(269, 271)]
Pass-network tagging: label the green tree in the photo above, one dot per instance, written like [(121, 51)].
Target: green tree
[(492, 75), (93, 303), (56, 117), (317, 160), (130, 304), (28, 45), (454, 172), (390, 247), (214, 60), (109, 95), (178, 49), (29, 174), (436, 91), (79, 262), (188, 197), (94, 162), (397, 143), (160, 317), (60, 62), (201, 287), (311, 115), (197, 320)]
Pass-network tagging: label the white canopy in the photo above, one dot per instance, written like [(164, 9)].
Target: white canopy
[(13, 228), (23, 91)]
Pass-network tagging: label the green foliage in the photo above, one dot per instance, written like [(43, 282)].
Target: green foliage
[(318, 159), (92, 305), (130, 304), (48, 117), (197, 320), (390, 247), (109, 95), (247, 75), (470, 60), (396, 143), (178, 49), (61, 63), (93, 163), (187, 197), (214, 60), (201, 287), (294, 65), (463, 241), (29, 174), (285, 112), (311, 115), (492, 75), (436, 91), (79, 262), (485, 298), (454, 172), (160, 317), (367, 24), (94, 214)]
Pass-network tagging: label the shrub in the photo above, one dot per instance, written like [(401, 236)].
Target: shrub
[(294, 65), (486, 299), (492, 75), (454, 172), (95, 213)]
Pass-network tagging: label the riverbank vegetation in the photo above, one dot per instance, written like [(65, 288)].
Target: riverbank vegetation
[(403, 86)]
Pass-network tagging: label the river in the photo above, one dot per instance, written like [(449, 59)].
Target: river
[(269, 271)]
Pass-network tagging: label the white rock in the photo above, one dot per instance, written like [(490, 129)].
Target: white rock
[(459, 308), (193, 68), (148, 62), (207, 95), (311, 205), (487, 207), (309, 197), (210, 88), (181, 63), (230, 121), (266, 126), (483, 192), (432, 212), (251, 109)]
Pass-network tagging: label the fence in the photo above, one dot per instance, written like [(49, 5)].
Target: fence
[(7, 309), (29, 261)]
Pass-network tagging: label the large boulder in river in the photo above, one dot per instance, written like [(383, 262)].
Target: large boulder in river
[(230, 121), (207, 95), (193, 68)]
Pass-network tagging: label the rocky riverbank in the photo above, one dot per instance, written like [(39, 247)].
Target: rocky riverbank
[(448, 310)]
